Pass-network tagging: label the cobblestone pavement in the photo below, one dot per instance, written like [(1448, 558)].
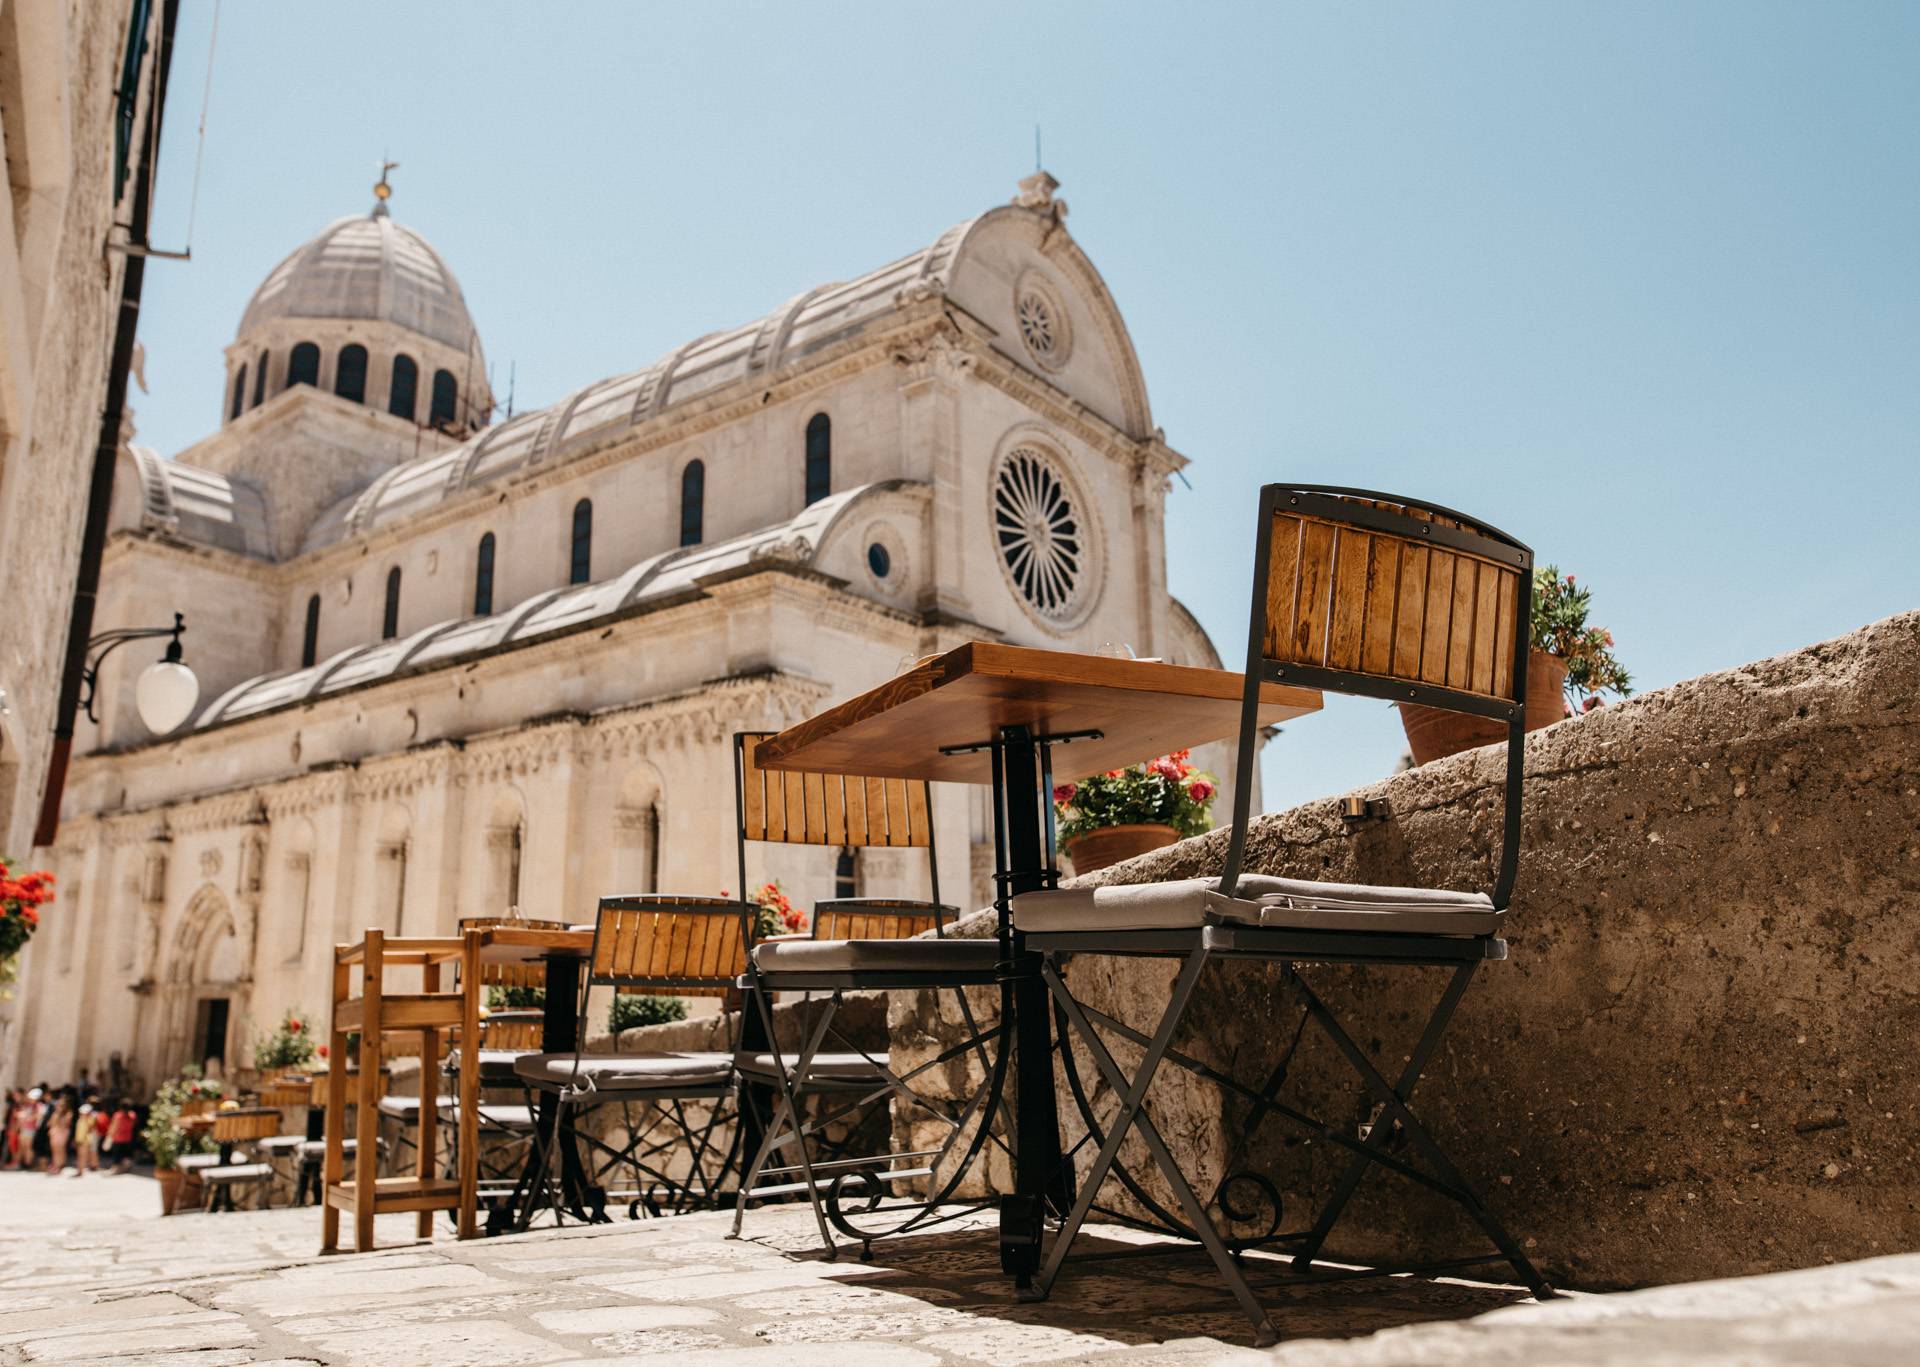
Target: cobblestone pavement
[(91, 1273)]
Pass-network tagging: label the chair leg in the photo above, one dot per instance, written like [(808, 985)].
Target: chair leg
[(1409, 1077), (1418, 1135), (542, 1167), (790, 1110), (1133, 1115)]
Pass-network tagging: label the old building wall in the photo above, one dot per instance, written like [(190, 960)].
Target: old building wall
[(229, 606), (59, 290)]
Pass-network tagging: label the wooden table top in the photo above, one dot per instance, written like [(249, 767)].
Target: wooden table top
[(519, 944), (1144, 708)]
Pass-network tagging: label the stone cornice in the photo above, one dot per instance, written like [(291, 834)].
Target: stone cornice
[(131, 541), (1061, 409), (706, 714)]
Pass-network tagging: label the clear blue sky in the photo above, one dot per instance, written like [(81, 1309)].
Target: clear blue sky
[(1638, 283)]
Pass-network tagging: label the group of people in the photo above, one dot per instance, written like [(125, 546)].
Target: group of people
[(72, 1130)]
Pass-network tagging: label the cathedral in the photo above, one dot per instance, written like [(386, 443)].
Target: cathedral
[(452, 665)]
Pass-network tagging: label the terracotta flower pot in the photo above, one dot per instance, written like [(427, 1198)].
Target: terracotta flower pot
[(170, 1179), (1111, 844), (1434, 734)]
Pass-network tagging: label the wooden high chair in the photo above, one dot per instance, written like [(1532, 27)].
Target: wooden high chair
[(378, 1015)]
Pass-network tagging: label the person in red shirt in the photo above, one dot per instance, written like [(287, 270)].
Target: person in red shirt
[(120, 1135)]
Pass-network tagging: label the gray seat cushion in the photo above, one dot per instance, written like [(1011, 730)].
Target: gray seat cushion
[(190, 1162), (928, 955), (516, 1118), (655, 1071), (496, 1065), (317, 1148), (823, 1067), (400, 1107), (279, 1143), (238, 1172), (1261, 900), (1303, 905)]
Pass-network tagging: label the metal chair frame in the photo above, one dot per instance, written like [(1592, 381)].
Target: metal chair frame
[(1377, 521), (502, 1150), (619, 959), (841, 1179)]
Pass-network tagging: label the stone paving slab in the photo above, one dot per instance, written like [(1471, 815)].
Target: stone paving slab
[(91, 1274)]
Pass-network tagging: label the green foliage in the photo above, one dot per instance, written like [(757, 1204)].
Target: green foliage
[(1167, 791), (1560, 628), (516, 998), (162, 1134), (164, 1138), (628, 1013), (291, 1045)]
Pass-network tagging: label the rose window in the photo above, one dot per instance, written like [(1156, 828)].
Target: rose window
[(1039, 532), (1037, 325)]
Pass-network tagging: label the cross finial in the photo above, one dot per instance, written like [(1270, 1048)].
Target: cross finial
[(381, 190)]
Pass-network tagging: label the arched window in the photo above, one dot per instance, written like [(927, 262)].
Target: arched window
[(239, 393), (403, 395), (819, 458), (445, 395), (303, 365), (693, 502), (845, 883), (483, 578), (260, 378), (350, 373), (310, 641), (390, 619), (581, 568)]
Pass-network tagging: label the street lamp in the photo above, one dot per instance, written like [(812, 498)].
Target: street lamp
[(166, 690)]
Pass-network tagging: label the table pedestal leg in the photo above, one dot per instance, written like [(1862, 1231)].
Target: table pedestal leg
[(1037, 1168)]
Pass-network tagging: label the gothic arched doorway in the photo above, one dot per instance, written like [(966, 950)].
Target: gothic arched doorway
[(204, 987)]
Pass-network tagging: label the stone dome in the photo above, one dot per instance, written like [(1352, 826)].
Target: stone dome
[(366, 267)]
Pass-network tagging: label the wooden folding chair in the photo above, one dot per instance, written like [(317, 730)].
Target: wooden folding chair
[(858, 944), (665, 945), (1353, 592)]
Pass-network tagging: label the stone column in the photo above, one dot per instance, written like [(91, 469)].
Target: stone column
[(930, 372)]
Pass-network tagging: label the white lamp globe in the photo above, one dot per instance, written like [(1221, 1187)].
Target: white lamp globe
[(164, 695)]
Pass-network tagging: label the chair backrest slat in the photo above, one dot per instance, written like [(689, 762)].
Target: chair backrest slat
[(1381, 598), (1384, 597), (844, 810), (873, 920), (682, 946)]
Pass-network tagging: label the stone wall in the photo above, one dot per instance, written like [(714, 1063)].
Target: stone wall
[(59, 287), (1698, 1060)]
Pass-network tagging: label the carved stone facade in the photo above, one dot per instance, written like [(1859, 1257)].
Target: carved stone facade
[(393, 735)]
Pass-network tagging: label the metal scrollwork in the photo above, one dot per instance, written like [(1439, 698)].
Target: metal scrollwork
[(1264, 1191)]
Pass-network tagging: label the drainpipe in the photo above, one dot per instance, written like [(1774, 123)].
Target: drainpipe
[(100, 493)]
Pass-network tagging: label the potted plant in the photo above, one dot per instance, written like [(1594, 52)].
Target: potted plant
[(774, 915), (1124, 812), (166, 1139), (1569, 665), (289, 1049), (197, 1094), (20, 901), (1584, 653)]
